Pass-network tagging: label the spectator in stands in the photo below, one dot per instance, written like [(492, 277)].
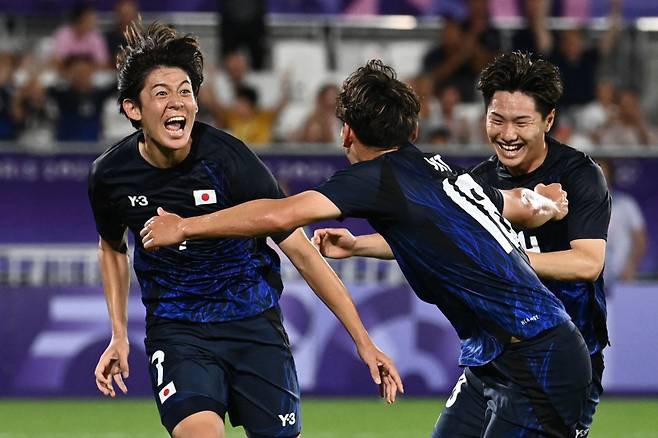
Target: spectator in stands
[(448, 115), (322, 125), (243, 27), (78, 102), (449, 61), (34, 115), (627, 236), (628, 126), (8, 102), (81, 36), (535, 37), (592, 118), (125, 12), (247, 121)]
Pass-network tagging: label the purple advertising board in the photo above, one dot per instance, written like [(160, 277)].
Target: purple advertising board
[(53, 322)]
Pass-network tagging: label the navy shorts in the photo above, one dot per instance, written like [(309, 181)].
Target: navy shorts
[(537, 387), (244, 368)]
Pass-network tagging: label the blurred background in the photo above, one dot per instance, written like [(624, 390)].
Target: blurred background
[(273, 69)]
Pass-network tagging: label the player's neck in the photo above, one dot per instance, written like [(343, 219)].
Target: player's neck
[(368, 153), (163, 157)]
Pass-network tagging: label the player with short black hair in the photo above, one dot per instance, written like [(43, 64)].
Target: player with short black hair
[(214, 333), (521, 95), (451, 237)]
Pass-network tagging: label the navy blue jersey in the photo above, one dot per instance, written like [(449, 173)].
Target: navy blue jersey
[(588, 218), (453, 246), (208, 280)]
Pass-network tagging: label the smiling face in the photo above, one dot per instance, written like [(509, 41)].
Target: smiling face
[(166, 110), (516, 131)]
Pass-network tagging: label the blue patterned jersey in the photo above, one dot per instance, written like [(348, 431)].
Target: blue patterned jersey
[(202, 280), (588, 218), (453, 245)]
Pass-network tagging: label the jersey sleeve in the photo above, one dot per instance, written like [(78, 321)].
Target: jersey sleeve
[(356, 191), (250, 179), (108, 223), (589, 203)]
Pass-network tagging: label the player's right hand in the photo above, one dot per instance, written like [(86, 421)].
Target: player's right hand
[(113, 365), (555, 193), (335, 243)]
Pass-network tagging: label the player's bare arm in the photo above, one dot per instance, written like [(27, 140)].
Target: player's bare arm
[(584, 261), (339, 243), (254, 218), (521, 206), (328, 287), (113, 363), (531, 209)]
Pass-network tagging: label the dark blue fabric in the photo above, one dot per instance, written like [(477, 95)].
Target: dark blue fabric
[(453, 246), (201, 280)]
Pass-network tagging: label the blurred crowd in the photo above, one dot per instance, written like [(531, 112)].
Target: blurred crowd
[(65, 90)]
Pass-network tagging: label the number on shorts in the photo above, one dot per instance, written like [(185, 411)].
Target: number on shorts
[(158, 359), (456, 390)]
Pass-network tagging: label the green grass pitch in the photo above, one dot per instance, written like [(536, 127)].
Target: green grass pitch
[(323, 418)]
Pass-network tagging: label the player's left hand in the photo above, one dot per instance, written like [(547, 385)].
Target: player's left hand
[(383, 372), (162, 230)]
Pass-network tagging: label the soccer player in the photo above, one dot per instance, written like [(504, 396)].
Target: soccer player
[(451, 238), (520, 96), (214, 334)]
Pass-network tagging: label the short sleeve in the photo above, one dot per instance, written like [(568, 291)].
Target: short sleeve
[(108, 223), (250, 179), (589, 203), (356, 191)]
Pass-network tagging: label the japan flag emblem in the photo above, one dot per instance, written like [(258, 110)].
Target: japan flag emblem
[(203, 197), (167, 391)]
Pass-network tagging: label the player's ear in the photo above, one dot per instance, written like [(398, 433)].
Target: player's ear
[(132, 109), (550, 118), (347, 135)]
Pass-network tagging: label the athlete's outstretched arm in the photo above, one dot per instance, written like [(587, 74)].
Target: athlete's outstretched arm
[(254, 218), (339, 243), (113, 363), (531, 209), (328, 287)]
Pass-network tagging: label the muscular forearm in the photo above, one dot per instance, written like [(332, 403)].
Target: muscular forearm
[(373, 245), (116, 283), (326, 284), (528, 209), (568, 265)]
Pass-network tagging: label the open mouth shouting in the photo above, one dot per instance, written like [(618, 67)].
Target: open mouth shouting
[(175, 125)]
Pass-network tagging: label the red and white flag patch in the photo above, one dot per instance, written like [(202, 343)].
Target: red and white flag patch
[(203, 197), (167, 391)]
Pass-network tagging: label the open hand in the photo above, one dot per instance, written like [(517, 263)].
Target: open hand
[(113, 365)]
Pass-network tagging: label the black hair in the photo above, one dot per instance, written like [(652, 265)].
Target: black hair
[(79, 10), (159, 45), (381, 110), (248, 93), (519, 71)]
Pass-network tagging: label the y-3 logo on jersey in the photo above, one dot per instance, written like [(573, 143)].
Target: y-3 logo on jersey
[(287, 419), (138, 200), (438, 164)]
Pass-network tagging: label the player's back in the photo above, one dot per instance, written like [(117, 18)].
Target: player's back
[(454, 247), (588, 218)]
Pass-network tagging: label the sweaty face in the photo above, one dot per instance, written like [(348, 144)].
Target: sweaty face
[(168, 108), (516, 131)]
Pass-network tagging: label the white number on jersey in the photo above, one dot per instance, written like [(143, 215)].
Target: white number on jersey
[(470, 196), (529, 243), (157, 359)]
